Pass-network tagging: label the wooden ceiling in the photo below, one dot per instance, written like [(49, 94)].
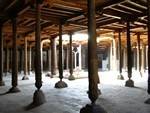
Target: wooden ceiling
[(111, 16)]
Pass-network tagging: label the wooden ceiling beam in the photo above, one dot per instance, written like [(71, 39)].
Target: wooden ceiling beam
[(43, 17)]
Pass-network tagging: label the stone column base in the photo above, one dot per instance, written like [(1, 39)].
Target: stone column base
[(2, 83), (92, 109), (14, 90), (38, 98), (120, 77), (25, 77), (129, 83), (147, 101), (71, 77), (61, 84), (49, 75)]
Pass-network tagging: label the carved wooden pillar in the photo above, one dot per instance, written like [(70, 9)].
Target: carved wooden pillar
[(71, 77), (67, 57), (14, 88), (1, 57), (139, 53), (53, 57), (39, 97), (148, 46), (20, 59), (120, 76), (7, 60), (92, 62), (92, 56), (129, 83), (25, 77), (60, 84), (30, 60)]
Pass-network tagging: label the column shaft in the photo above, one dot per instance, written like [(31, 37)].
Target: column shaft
[(120, 54), (1, 57), (67, 57), (53, 56), (30, 56), (14, 55), (148, 25), (25, 56), (129, 57), (70, 54), (80, 59), (92, 56), (139, 52), (7, 60), (60, 53), (38, 74)]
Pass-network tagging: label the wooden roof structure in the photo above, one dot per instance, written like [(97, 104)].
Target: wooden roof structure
[(111, 16)]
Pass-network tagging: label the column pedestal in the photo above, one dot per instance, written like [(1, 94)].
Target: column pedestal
[(61, 84), (14, 90), (38, 98), (92, 109), (129, 83)]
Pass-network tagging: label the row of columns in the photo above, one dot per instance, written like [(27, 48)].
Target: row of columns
[(39, 97)]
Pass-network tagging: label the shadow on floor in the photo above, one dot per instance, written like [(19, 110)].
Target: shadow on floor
[(30, 106), (1, 94), (139, 88)]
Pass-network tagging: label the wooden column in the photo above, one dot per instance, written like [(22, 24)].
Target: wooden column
[(25, 77), (14, 88), (1, 57), (92, 55), (148, 37), (60, 53), (71, 77), (53, 57), (47, 59), (30, 56), (120, 76), (92, 62), (129, 83), (20, 59), (67, 57), (148, 46), (139, 53), (39, 97), (7, 60), (60, 84)]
